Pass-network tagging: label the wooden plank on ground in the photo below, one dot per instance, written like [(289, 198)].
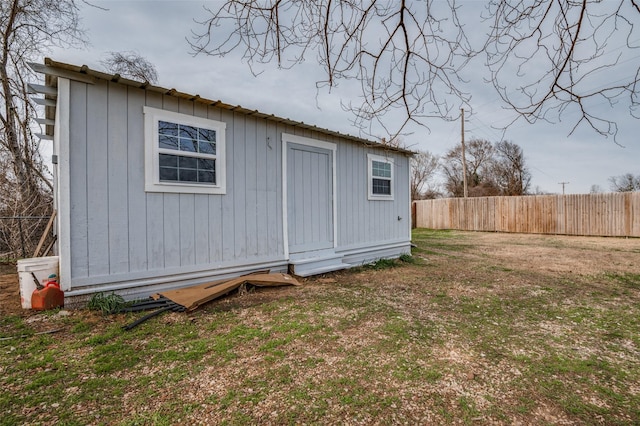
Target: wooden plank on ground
[(194, 296)]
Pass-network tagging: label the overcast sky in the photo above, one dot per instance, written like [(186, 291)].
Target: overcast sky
[(158, 31)]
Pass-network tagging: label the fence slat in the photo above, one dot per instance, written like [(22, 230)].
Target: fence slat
[(614, 215)]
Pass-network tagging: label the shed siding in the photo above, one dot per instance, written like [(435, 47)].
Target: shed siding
[(117, 229), (97, 180), (362, 221), (78, 182), (119, 232), (137, 204)]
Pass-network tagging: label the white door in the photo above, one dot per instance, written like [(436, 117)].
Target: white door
[(309, 198)]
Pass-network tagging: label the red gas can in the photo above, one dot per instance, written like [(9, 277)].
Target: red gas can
[(48, 297)]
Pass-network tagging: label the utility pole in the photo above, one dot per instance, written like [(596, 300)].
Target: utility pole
[(464, 159), (563, 184)]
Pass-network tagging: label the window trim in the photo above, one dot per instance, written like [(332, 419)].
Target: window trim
[(383, 197), (152, 116)]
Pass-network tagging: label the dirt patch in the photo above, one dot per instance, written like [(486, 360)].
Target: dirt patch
[(9, 291), (578, 255)]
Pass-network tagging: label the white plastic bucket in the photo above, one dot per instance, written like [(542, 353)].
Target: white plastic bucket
[(41, 267)]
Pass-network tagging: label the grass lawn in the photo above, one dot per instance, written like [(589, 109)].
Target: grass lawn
[(474, 328)]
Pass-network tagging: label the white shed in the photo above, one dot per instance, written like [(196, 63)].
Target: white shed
[(158, 189)]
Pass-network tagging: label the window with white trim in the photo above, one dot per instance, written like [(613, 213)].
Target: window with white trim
[(183, 153), (380, 177)]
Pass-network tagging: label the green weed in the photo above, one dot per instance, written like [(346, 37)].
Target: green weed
[(106, 303)]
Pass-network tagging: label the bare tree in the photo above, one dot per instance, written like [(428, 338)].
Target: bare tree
[(132, 65), (510, 172), (596, 189), (627, 182), (423, 167), (480, 156), (409, 56), (27, 29)]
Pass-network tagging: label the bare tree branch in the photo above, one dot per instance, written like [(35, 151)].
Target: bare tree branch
[(548, 58), (130, 64), (406, 55)]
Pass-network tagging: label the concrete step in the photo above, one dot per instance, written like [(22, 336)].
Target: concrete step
[(321, 270), (327, 262)]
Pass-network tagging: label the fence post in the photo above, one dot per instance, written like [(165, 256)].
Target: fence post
[(413, 215)]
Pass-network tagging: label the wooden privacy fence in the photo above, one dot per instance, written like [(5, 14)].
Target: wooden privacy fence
[(614, 215)]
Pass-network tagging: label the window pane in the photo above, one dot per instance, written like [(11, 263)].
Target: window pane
[(192, 139), (205, 164), (206, 177), (188, 132), (187, 175), (166, 128), (380, 169), (206, 135), (187, 169), (168, 142), (190, 145), (168, 173), (381, 186), (188, 163), (207, 148), (167, 160)]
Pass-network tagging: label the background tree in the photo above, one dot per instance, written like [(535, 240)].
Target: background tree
[(27, 29), (625, 183), (130, 64), (409, 56), (492, 169), (510, 173), (424, 166), (480, 157)]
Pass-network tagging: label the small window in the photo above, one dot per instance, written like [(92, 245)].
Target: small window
[(380, 178), (183, 153)]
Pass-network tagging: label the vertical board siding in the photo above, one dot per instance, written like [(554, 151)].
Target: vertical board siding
[(615, 214), (117, 166), (78, 214), (137, 203), (251, 186), (155, 201), (238, 174), (97, 178), (275, 239), (262, 213), (171, 229), (117, 228), (362, 221)]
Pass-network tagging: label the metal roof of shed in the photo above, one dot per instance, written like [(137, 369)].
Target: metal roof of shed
[(53, 69)]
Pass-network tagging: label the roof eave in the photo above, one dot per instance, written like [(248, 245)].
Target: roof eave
[(87, 75)]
